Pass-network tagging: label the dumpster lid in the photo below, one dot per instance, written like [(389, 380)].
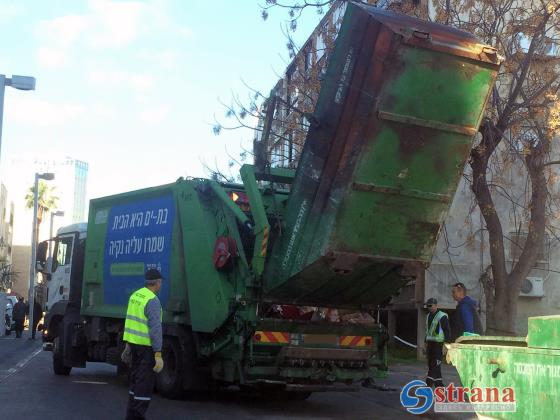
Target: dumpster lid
[(435, 36)]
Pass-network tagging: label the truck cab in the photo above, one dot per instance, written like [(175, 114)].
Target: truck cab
[(59, 268)]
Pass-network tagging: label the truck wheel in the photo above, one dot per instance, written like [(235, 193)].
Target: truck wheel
[(57, 351), (169, 382)]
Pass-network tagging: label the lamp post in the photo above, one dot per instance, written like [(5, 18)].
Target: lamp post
[(47, 176), (17, 82), (54, 213)]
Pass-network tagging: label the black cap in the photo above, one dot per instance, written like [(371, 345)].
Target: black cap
[(431, 301), (153, 274)]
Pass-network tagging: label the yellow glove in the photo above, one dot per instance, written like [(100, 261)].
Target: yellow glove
[(159, 362)]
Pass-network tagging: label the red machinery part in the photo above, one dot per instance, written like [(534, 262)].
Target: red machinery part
[(225, 250)]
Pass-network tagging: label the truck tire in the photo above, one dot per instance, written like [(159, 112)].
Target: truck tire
[(169, 382), (57, 353)]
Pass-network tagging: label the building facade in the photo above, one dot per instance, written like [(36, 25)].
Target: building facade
[(70, 186), (6, 236)]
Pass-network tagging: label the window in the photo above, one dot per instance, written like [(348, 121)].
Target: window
[(62, 252), (320, 45), (307, 60), (338, 15)]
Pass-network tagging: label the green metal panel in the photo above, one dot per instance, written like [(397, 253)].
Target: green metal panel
[(209, 292), (544, 332), (262, 228), (533, 373), (379, 171), (199, 295), (407, 176)]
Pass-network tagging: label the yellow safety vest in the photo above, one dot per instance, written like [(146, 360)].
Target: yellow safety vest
[(136, 324), (431, 334)]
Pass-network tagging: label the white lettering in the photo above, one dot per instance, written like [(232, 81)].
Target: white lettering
[(295, 231)]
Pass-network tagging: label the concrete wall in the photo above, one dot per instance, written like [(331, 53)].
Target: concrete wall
[(462, 252), (21, 255)]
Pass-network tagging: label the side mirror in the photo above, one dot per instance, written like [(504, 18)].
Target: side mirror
[(47, 272), (41, 256)]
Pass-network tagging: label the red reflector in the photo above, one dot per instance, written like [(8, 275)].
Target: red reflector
[(257, 337), (368, 341)]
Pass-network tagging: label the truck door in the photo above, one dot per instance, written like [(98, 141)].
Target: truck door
[(59, 285)]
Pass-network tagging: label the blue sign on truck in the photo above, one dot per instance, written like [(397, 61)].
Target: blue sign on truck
[(138, 238)]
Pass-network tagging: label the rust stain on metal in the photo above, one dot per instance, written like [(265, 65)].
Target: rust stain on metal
[(420, 230), (438, 38)]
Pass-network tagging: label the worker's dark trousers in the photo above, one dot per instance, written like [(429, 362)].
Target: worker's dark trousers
[(34, 330), (19, 327), (141, 381), (434, 351)]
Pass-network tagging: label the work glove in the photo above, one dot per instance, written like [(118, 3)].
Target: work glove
[(126, 355), (159, 362)]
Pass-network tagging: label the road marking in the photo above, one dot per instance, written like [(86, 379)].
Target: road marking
[(90, 382), (20, 365)]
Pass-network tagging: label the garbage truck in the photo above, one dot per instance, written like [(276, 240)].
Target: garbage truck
[(249, 268)]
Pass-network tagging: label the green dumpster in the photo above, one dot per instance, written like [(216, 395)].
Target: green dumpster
[(392, 129), (530, 365)]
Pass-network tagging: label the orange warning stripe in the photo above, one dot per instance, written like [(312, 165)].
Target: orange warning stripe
[(271, 337), (264, 243), (355, 340)]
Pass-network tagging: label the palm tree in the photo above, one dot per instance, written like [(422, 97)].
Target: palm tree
[(47, 201)]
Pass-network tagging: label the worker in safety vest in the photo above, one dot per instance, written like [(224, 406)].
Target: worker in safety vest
[(437, 332), (143, 337)]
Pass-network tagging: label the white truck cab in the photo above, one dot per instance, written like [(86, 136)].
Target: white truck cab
[(59, 269), (59, 266)]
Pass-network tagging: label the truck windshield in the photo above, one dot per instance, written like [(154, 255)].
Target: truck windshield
[(62, 252)]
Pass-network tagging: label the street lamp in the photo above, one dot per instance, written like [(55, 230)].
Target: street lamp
[(17, 82), (47, 176), (54, 213)]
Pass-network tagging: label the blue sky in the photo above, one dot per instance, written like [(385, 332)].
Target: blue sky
[(132, 87)]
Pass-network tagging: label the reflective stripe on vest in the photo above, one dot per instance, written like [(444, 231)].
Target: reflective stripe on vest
[(136, 329), (431, 334)]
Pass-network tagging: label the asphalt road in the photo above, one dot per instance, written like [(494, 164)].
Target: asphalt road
[(29, 390)]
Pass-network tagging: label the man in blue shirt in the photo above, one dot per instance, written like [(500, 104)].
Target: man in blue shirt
[(466, 320)]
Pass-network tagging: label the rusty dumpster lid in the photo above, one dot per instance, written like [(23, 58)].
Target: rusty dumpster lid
[(434, 36)]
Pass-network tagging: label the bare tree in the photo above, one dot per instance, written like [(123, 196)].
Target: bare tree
[(7, 276), (518, 129)]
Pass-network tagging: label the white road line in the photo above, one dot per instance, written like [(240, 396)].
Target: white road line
[(21, 364)]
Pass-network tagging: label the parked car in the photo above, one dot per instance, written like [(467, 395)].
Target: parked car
[(10, 323)]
